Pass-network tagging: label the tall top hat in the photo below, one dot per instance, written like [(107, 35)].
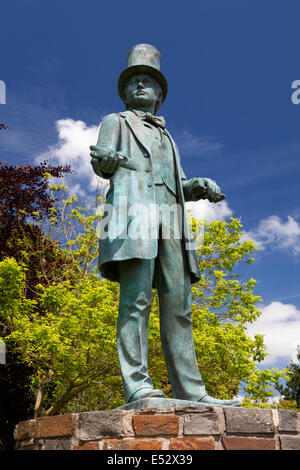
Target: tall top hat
[(143, 58)]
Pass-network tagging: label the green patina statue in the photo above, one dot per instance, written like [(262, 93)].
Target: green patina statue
[(141, 160)]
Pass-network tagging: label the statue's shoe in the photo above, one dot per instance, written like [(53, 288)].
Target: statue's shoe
[(215, 401), (146, 393)]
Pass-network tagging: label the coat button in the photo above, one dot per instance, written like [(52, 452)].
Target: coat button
[(149, 185), (147, 170), (146, 155)]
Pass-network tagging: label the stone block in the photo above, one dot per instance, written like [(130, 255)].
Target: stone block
[(127, 429), (248, 421), (154, 425), (30, 444), (94, 425), (27, 442), (87, 446), (248, 443), (25, 430), (192, 443), (205, 422), (287, 421), (55, 426), (58, 444), (132, 444), (290, 442), (194, 409)]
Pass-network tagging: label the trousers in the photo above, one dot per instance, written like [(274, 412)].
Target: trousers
[(172, 279)]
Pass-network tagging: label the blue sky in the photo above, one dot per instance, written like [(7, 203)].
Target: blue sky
[(229, 66)]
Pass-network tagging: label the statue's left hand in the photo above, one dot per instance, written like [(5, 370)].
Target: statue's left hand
[(206, 188)]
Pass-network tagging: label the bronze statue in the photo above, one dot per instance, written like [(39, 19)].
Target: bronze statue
[(141, 160)]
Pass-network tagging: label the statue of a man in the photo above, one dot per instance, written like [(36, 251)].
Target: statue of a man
[(140, 158)]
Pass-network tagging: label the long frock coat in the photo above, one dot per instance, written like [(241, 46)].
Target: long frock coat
[(124, 132)]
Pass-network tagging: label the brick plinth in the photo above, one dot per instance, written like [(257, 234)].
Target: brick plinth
[(176, 428)]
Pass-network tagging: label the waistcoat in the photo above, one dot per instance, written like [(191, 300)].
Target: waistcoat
[(162, 157)]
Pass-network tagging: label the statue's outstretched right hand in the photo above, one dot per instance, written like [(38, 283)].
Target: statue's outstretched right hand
[(108, 162)]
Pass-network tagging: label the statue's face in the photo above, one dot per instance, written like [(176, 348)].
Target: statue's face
[(142, 89)]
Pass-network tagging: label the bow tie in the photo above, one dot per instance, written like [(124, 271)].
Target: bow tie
[(158, 121)]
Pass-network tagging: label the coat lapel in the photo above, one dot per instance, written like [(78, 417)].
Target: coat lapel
[(138, 129), (174, 150)]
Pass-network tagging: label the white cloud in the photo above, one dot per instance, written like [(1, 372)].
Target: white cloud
[(74, 139), (209, 211), (274, 233), (280, 323)]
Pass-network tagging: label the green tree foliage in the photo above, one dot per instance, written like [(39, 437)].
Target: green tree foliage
[(25, 205), (72, 346), (25, 201), (291, 389)]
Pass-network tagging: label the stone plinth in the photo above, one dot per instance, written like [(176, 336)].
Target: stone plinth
[(173, 428)]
